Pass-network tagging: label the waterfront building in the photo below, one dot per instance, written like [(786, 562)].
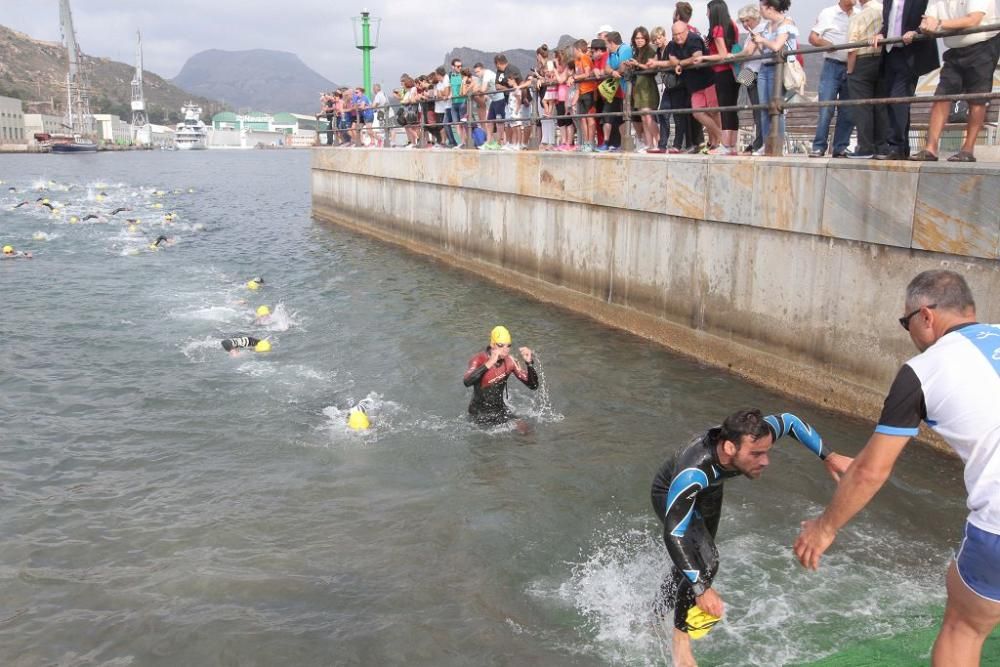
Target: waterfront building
[(161, 136), (42, 123), (252, 121), (112, 129), (12, 129)]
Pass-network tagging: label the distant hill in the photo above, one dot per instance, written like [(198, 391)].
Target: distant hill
[(35, 72), (258, 80), (523, 59)]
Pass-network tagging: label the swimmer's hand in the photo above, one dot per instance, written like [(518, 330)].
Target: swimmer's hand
[(494, 357), (813, 540), (711, 603), (837, 465), (526, 354)]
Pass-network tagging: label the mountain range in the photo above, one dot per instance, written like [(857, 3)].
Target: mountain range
[(258, 80)]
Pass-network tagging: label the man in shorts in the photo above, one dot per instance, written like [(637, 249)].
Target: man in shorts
[(953, 386), (498, 107), (686, 50), (968, 68), (586, 89), (492, 100)]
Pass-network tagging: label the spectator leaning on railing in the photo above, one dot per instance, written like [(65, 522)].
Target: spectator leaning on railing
[(723, 36), (685, 50), (831, 28), (903, 64), (863, 81), (780, 32), (749, 18), (968, 68)]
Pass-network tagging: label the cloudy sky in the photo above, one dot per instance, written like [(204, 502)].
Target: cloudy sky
[(415, 34)]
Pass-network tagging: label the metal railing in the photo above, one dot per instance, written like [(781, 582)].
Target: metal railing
[(775, 107)]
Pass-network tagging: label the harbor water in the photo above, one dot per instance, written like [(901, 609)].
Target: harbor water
[(165, 503)]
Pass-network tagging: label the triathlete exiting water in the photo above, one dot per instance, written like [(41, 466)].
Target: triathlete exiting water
[(237, 343), (953, 386), (687, 498), (487, 374)]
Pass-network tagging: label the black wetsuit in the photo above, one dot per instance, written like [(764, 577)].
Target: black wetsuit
[(239, 342), (490, 384), (687, 498)]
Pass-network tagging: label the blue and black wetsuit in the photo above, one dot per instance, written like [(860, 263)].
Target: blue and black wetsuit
[(687, 498)]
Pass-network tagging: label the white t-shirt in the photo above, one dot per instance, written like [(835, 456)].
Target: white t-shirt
[(954, 387), (831, 25), (956, 9), (440, 106), (490, 85)]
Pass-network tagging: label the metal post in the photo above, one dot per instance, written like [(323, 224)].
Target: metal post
[(470, 143), (535, 138), (775, 140), (366, 52)]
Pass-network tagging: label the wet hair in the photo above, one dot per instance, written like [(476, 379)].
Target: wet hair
[(683, 11), (744, 423), (945, 288), (614, 38), (718, 15), (778, 5), (748, 12), (500, 59)]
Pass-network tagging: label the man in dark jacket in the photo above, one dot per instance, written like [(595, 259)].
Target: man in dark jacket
[(903, 64)]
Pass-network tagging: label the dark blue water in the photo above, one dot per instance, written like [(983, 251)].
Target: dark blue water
[(165, 503)]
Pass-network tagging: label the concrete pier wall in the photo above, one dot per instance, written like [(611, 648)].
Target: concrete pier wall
[(788, 272)]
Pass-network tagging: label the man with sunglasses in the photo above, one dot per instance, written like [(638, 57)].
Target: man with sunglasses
[(953, 386), (487, 375)]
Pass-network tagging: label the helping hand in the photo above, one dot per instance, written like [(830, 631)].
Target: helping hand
[(528, 355), (711, 603), (813, 540), (837, 465)]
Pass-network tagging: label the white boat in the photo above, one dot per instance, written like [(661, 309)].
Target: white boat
[(192, 134)]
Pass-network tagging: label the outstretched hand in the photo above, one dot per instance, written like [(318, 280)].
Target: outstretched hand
[(837, 465), (711, 603), (813, 540), (526, 354)]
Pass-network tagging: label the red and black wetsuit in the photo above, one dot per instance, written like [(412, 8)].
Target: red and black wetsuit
[(489, 384)]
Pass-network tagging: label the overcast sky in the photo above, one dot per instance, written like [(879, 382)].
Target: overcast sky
[(415, 34)]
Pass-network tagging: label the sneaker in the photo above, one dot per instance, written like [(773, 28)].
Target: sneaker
[(586, 148), (861, 155), (673, 150), (641, 149), (720, 150), (694, 150), (614, 149), (758, 153), (603, 148), (815, 153)]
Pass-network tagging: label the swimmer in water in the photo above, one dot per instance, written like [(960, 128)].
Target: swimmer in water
[(263, 315), (46, 204), (160, 239), (255, 283), (10, 253), (487, 374), (687, 499), (91, 216), (237, 343), (24, 203), (119, 210)]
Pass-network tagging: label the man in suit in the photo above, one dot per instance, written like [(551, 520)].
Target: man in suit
[(903, 64)]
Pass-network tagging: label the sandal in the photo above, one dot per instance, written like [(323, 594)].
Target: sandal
[(924, 156), (962, 156)]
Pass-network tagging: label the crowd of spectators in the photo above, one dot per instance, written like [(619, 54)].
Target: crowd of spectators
[(575, 95)]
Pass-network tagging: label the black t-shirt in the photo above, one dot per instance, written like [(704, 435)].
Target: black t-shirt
[(502, 78), (698, 78)]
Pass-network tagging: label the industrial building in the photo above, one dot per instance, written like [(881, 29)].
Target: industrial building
[(12, 129)]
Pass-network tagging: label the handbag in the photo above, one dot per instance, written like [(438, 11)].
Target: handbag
[(746, 77), (795, 77), (670, 80), (608, 89)]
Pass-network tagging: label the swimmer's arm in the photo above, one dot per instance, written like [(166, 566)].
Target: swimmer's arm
[(681, 496), (477, 369), (859, 485), (788, 424), (528, 377)]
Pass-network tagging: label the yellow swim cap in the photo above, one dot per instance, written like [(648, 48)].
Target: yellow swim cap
[(131, 228), (500, 336), (699, 622), (73, 219), (262, 346), (8, 250), (263, 311), (99, 197), (45, 201), (358, 420), (153, 246), (157, 205), (252, 284)]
